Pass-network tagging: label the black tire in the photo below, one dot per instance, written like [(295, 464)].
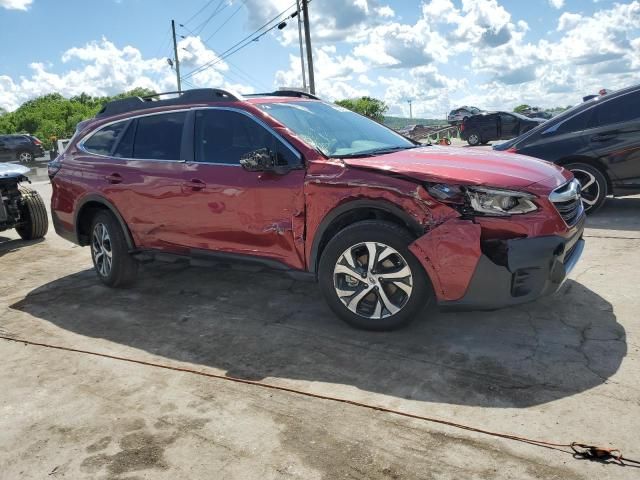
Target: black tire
[(382, 234), (123, 267), (595, 190), (25, 156), (35, 223), (473, 138)]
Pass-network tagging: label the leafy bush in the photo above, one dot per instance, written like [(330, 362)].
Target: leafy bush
[(53, 115)]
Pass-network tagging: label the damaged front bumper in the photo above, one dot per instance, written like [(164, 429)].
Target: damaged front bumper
[(470, 273)]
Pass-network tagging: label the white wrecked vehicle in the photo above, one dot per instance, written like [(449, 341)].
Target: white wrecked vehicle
[(20, 207)]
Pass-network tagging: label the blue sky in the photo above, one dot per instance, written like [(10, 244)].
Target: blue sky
[(438, 53)]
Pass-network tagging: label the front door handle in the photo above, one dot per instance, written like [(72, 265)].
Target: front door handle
[(113, 178), (603, 137), (194, 184)]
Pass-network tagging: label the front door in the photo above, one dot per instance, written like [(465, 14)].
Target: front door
[(615, 138), (232, 210)]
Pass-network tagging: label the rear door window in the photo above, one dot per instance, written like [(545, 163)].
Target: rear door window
[(103, 141), (622, 109), (125, 145), (159, 137)]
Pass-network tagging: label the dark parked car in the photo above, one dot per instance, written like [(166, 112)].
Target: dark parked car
[(24, 148), (598, 140), (290, 182), (485, 127)]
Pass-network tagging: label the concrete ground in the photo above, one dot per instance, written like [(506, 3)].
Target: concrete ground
[(562, 369)]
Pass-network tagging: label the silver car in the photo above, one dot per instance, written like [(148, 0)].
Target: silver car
[(460, 114)]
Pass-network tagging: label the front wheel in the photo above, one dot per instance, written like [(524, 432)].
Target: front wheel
[(370, 279), (35, 223), (114, 265), (25, 157), (593, 185)]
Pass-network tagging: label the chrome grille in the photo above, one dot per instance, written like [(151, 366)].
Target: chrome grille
[(567, 201)]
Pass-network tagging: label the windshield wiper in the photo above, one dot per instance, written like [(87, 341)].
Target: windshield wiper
[(374, 151)]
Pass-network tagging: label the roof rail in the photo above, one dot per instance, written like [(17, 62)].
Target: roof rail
[(285, 93), (204, 95)]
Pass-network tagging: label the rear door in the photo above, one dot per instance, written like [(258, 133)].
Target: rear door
[(614, 137), (137, 166), (235, 211)]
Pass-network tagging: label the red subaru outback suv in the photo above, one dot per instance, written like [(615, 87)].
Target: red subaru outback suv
[(297, 184)]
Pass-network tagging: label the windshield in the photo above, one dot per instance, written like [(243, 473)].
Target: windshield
[(336, 131), (474, 110)]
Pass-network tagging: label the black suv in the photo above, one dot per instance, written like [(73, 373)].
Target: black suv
[(484, 127), (598, 140), (24, 148)]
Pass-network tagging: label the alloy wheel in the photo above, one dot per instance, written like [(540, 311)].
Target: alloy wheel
[(25, 157), (474, 139), (101, 249), (373, 280), (589, 188)]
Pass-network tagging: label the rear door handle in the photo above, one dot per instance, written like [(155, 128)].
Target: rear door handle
[(195, 185), (113, 178)]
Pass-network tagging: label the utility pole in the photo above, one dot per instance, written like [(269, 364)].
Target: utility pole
[(304, 75), (410, 109), (307, 37), (175, 54)]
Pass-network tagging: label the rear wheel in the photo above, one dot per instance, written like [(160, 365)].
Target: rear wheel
[(114, 265), (35, 223), (593, 185), (474, 139), (370, 279)]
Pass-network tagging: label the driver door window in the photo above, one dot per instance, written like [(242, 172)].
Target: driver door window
[(223, 137)]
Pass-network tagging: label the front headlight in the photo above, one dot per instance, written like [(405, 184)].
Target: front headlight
[(491, 201), (482, 200)]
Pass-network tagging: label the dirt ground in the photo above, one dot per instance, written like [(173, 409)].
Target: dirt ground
[(562, 369)]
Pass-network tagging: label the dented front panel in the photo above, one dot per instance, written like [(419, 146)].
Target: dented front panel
[(449, 253), (329, 185)]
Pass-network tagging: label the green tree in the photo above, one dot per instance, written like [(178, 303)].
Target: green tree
[(367, 106), (521, 108), (53, 115)]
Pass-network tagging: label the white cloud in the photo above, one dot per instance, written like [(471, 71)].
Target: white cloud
[(16, 4), (457, 51), (101, 68), (568, 21), (558, 4)]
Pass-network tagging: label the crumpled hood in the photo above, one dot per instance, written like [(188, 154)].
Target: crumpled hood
[(471, 166), (12, 170)]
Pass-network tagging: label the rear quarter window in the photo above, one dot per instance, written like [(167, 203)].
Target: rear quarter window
[(103, 141)]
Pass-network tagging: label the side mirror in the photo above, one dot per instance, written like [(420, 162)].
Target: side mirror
[(262, 160)]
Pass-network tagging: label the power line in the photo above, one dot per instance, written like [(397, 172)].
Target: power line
[(217, 10), (226, 21), (240, 72), (209, 2), (242, 43)]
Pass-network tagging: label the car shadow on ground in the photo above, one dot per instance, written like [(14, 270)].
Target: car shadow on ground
[(11, 245), (260, 325), (622, 213)]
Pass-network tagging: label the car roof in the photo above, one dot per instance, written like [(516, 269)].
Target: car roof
[(199, 96)]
